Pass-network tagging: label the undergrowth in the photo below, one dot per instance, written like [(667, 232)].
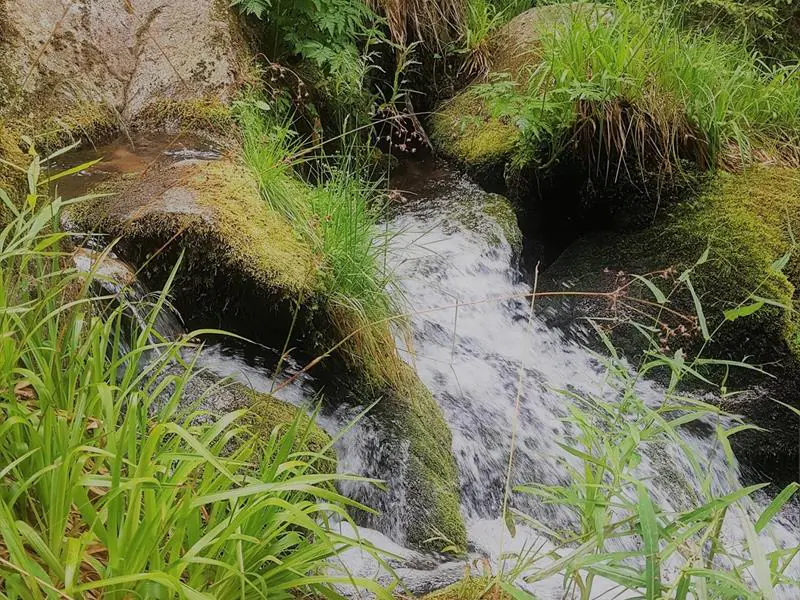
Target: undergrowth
[(112, 484), (627, 84)]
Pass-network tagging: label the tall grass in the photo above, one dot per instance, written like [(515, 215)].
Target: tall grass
[(336, 214), (709, 539), (656, 547), (627, 83), (110, 484)]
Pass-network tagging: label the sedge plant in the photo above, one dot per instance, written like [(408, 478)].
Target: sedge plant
[(625, 83), (111, 484), (645, 542)]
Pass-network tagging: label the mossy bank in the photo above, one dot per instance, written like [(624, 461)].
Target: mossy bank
[(744, 224)]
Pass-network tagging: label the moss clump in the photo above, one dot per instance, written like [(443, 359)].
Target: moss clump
[(199, 114), (464, 130), (745, 221), (491, 216), (469, 588), (408, 408), (500, 210), (269, 413), (433, 481), (215, 207)]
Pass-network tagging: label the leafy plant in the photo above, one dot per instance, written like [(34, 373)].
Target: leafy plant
[(325, 32), (111, 485)]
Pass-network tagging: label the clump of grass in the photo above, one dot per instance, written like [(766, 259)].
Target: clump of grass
[(336, 214), (482, 18), (628, 84), (110, 485)]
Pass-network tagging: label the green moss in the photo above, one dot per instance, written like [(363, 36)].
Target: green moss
[(216, 208), (433, 483), (463, 130), (378, 373), (500, 210), (200, 114), (491, 216), (469, 588), (745, 220), (269, 413)]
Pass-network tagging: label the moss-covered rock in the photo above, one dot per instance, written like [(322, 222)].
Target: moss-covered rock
[(464, 129), (242, 261), (746, 222), (198, 114), (469, 588), (244, 270), (265, 413)]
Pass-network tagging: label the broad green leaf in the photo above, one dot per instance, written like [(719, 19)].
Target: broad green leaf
[(743, 311)]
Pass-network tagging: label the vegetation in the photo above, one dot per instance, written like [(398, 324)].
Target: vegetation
[(114, 483), (111, 484), (678, 550), (638, 90)]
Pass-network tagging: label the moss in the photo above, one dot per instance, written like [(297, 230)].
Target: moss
[(463, 130), (433, 486), (378, 373), (491, 216), (200, 114), (469, 588), (745, 221), (500, 210), (213, 205), (269, 413)]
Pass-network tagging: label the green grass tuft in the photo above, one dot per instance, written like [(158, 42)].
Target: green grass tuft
[(629, 84)]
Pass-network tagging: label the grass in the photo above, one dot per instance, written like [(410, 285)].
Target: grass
[(336, 216), (639, 88), (646, 544), (111, 486), (680, 549)]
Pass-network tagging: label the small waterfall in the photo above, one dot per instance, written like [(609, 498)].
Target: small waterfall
[(473, 354)]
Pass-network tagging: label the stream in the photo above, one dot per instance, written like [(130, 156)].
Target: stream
[(493, 371)]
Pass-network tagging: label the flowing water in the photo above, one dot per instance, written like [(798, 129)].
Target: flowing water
[(493, 370)]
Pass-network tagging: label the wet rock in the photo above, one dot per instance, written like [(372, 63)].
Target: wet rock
[(246, 271), (745, 222), (241, 260)]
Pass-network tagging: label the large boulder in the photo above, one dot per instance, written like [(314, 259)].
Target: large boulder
[(464, 129), (241, 260), (745, 221), (124, 55), (82, 69)]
